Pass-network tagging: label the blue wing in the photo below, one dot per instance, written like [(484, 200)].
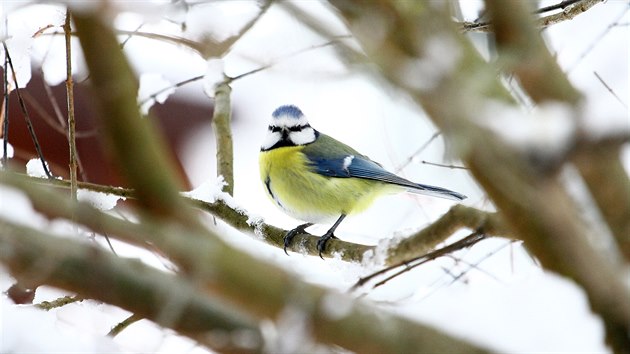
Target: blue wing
[(357, 166)]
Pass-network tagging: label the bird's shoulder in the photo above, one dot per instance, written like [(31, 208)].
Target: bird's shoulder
[(327, 146), (330, 157)]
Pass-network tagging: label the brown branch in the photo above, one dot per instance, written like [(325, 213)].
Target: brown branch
[(123, 325), (261, 289), (62, 301), (535, 206), (419, 243), (70, 105), (143, 160), (27, 117), (458, 217), (601, 168), (39, 258), (221, 121), (466, 242), (570, 9)]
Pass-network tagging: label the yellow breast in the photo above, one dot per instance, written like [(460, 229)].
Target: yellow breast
[(308, 196)]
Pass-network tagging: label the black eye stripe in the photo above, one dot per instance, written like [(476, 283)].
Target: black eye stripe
[(295, 128)]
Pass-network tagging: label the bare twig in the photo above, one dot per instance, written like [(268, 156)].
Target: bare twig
[(5, 108), (27, 118), (62, 301), (70, 105), (571, 8), (444, 165), (409, 264), (230, 80), (612, 92), (123, 325), (415, 153)]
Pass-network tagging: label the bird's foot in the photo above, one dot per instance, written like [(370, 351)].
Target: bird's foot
[(291, 234), (321, 243)]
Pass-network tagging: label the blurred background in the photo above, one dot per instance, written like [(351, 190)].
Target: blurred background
[(494, 293)]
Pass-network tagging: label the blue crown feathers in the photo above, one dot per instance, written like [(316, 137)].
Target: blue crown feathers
[(287, 110)]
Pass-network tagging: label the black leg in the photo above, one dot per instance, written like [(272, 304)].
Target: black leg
[(291, 234), (321, 243)]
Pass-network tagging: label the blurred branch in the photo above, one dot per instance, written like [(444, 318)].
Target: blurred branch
[(39, 258), (142, 156), (523, 53), (535, 206), (261, 289), (221, 120), (542, 78), (458, 217), (608, 182), (600, 166)]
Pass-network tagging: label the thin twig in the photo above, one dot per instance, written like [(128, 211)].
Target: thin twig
[(62, 301), (5, 116), (230, 80), (612, 92), (124, 324), (444, 165), (571, 8), (560, 6), (177, 85), (466, 242), (27, 118), (70, 101), (417, 152), (40, 111)]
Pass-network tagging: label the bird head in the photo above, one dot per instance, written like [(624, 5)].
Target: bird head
[(288, 127)]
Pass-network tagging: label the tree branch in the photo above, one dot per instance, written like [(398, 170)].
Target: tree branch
[(70, 105), (570, 9), (535, 206), (227, 274), (143, 160), (221, 120), (419, 243), (37, 258)]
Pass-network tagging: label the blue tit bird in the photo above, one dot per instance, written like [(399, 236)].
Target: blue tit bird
[(315, 178)]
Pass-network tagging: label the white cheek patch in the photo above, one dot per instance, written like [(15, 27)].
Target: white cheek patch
[(271, 139), (302, 137)]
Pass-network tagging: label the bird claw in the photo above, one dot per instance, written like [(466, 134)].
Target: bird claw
[(291, 234), (321, 242)]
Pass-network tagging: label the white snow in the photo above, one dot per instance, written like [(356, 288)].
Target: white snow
[(154, 88), (35, 168), (10, 150), (99, 200), (214, 76), (547, 128), (493, 293)]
